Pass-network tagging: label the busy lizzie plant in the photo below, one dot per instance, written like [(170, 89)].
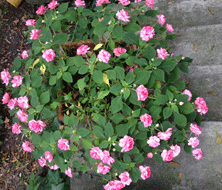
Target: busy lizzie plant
[(103, 83)]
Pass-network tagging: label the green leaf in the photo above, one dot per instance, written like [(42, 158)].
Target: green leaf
[(169, 95), (73, 148), (63, 7), (47, 35), (57, 187), (45, 97), (98, 132), (86, 144), (97, 76), (73, 121), (16, 64), (100, 29), (109, 131), (118, 32), (36, 139), (103, 94), (71, 15), (129, 77), (120, 73), (116, 104), (132, 27), (161, 99), (122, 130), (117, 118), (142, 76), (67, 77), (158, 74), (130, 38), (167, 112), (180, 119), (77, 164), (134, 99), (135, 174), (79, 61), (141, 135), (187, 148), (126, 158), (111, 74), (36, 81), (60, 38), (168, 65), (157, 62), (149, 52), (155, 111), (56, 26), (47, 113), (52, 80), (116, 88), (104, 144), (138, 158), (158, 158), (84, 168), (187, 108), (81, 83), (59, 161), (183, 67), (83, 132), (53, 69), (34, 98), (152, 13)]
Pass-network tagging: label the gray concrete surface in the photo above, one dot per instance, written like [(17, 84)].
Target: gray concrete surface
[(204, 174)]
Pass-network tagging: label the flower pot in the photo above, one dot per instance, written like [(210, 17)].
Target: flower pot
[(15, 3)]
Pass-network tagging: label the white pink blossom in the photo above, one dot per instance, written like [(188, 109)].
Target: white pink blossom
[(187, 92), (145, 172), (5, 98), (22, 115), (49, 55), (195, 129), (161, 19), (150, 155), (83, 49), (150, 3), (167, 155), (123, 15), (169, 27), (79, 3), (42, 162), (146, 119), (147, 33), (165, 135), (124, 2), (126, 143), (162, 53), (118, 51), (36, 126), (41, 10), (30, 22), (17, 81), (101, 2), (63, 144), (193, 141), (54, 167), (53, 4), (201, 106), (28, 146), (23, 102), (142, 93), (103, 169), (12, 103), (16, 128), (176, 150), (104, 56), (153, 141), (48, 156), (125, 178), (5, 76), (25, 54), (100, 19), (106, 158), (35, 34), (96, 152), (197, 153), (69, 172), (137, 1)]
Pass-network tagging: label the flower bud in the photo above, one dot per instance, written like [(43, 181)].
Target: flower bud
[(157, 125), (175, 100), (116, 174), (122, 90), (109, 139), (114, 149), (14, 71), (152, 59), (181, 103), (114, 144)]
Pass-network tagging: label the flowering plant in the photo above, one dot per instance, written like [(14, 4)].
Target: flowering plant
[(113, 94)]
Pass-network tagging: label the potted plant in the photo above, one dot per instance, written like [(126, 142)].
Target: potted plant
[(115, 93)]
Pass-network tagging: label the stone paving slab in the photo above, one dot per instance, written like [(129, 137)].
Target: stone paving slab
[(206, 80), (205, 174), (203, 38)]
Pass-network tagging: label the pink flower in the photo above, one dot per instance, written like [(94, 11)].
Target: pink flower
[(197, 153), (35, 34), (169, 27), (126, 143), (16, 128), (187, 92), (23, 102), (167, 155), (193, 141), (41, 10), (150, 155), (146, 119), (79, 3), (195, 129), (153, 141), (101, 2), (176, 150), (36, 126), (201, 106), (102, 169), (162, 53), (48, 156), (142, 93), (123, 15), (147, 33), (150, 3), (137, 1), (145, 172), (5, 98), (161, 19), (165, 135), (12, 103), (28, 147), (17, 81), (125, 178), (42, 162), (124, 2), (22, 115), (83, 49), (106, 158), (54, 167), (25, 54), (63, 144), (96, 153), (69, 172), (104, 56), (129, 68), (118, 51), (5, 76), (53, 4), (30, 22), (100, 19), (118, 185), (49, 55)]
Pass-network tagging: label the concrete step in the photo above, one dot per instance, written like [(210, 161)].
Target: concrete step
[(204, 174), (206, 81), (203, 38), (182, 13)]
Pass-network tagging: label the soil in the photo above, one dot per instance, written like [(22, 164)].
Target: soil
[(15, 165)]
